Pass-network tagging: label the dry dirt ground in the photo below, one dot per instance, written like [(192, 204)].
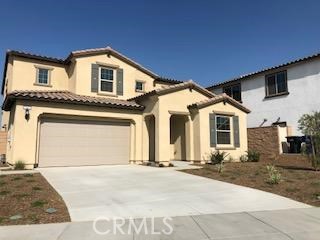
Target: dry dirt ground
[(26, 198), (298, 180)]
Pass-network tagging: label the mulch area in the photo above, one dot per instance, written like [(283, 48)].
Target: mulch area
[(298, 180), (26, 198)]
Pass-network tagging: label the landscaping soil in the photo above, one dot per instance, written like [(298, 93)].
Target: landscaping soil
[(298, 180), (26, 197)]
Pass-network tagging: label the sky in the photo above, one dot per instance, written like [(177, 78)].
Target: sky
[(206, 41)]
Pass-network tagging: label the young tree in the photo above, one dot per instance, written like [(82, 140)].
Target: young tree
[(309, 124)]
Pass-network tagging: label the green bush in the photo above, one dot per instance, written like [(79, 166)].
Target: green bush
[(220, 167), (218, 157), (253, 156), (243, 158), (315, 161), (274, 175), (19, 165), (38, 203)]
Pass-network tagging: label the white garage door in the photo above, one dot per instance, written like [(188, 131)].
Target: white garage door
[(76, 143)]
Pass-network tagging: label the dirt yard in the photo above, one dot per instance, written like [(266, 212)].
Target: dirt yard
[(30, 199), (298, 180)]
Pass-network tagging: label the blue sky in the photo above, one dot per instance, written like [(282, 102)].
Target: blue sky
[(207, 41)]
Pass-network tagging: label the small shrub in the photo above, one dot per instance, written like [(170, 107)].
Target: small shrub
[(2, 183), (2, 193), (291, 189), (274, 175), (315, 162), (16, 178), (253, 156), (315, 184), (230, 159), (21, 195), (243, 158), (220, 167), (19, 165), (36, 188), (28, 175), (218, 157), (30, 180), (38, 203)]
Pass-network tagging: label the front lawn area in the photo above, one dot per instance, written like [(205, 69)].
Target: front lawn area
[(298, 180), (29, 199)]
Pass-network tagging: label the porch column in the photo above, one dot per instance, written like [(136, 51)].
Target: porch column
[(189, 139), (162, 139)]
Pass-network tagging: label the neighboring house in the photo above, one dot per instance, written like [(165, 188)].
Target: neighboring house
[(278, 95), (99, 107)]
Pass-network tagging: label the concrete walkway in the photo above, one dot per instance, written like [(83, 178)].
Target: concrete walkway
[(294, 224), (132, 191)]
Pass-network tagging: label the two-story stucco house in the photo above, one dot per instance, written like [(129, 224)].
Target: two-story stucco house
[(97, 106), (279, 95)]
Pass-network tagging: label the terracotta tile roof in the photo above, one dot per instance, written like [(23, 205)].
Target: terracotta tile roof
[(307, 58), (113, 52), (168, 80), (173, 88), (68, 98), (217, 99), (35, 56)]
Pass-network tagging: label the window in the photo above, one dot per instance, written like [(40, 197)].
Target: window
[(223, 130), (139, 86), (106, 80), (43, 76), (276, 84), (233, 91)]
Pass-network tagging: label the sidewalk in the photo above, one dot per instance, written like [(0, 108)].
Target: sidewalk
[(297, 224)]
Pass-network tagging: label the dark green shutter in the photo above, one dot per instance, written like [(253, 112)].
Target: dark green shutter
[(119, 81), (213, 132), (236, 133), (94, 77)]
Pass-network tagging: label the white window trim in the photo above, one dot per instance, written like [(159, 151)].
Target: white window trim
[(143, 86), (48, 84), (113, 81), (231, 132)]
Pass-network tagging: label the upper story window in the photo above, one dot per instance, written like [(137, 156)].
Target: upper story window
[(233, 91), (139, 86), (43, 76), (223, 130), (276, 84), (106, 80)]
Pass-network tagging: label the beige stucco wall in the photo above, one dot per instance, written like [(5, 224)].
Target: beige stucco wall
[(75, 77), (130, 75), (197, 127), (25, 133), (162, 108), (203, 149), (24, 75)]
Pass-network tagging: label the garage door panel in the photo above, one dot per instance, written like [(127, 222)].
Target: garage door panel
[(76, 143)]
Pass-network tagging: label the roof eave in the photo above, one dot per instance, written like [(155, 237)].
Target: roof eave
[(114, 53), (225, 99), (264, 71), (9, 100)]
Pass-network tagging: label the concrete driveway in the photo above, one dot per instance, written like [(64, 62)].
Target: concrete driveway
[(139, 191)]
